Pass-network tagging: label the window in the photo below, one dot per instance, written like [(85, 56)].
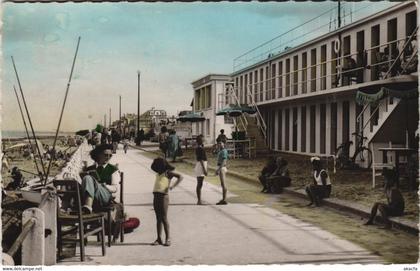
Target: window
[(208, 99), (280, 132), (207, 127), (323, 67), (312, 128), (346, 121), (245, 99), (287, 77), (360, 58), (333, 129), (250, 88), (261, 85), (392, 37), (295, 130), (323, 127), (228, 120), (280, 93), (256, 86), (295, 75), (313, 70), (236, 86), (303, 129), (346, 60), (374, 52), (273, 81), (304, 72), (267, 85), (410, 23), (241, 89), (287, 128)]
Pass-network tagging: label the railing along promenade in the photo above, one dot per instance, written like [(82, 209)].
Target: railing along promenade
[(38, 238)]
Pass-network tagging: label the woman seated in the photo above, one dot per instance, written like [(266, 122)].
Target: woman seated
[(395, 200), (279, 178), (321, 186), (101, 180)]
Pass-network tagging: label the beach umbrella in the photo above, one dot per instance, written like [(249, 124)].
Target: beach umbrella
[(236, 111), (191, 117), (19, 145), (82, 132)]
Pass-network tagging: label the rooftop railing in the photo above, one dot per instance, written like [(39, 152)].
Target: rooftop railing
[(315, 27)]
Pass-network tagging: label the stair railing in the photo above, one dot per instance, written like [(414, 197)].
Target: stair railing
[(359, 119), (232, 93), (260, 120)]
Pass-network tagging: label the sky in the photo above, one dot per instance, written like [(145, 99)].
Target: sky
[(171, 44)]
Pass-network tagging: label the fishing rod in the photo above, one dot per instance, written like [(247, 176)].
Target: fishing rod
[(29, 118), (62, 109), (26, 127)]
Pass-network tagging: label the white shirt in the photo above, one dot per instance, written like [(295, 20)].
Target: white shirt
[(318, 178), (115, 180)]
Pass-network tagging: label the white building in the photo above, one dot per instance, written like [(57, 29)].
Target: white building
[(307, 96), (209, 98)]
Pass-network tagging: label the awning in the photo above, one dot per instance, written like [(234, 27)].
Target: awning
[(364, 98)]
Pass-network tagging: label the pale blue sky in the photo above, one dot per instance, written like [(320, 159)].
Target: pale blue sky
[(172, 44)]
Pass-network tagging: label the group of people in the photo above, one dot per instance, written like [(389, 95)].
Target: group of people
[(101, 180), (275, 176), (169, 143), (103, 136)]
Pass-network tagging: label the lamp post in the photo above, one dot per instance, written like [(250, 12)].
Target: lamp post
[(109, 117), (138, 108), (119, 120)]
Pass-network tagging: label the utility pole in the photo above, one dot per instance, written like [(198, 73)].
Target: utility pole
[(339, 14), (138, 107), (119, 120), (110, 117), (105, 121)]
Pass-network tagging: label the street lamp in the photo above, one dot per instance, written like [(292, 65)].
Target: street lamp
[(138, 108)]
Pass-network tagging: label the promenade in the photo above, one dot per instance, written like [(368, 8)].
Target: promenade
[(237, 233)]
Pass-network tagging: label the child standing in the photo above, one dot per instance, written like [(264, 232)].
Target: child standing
[(200, 167), (222, 157), (161, 198)]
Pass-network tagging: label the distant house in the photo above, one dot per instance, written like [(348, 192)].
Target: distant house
[(209, 98)]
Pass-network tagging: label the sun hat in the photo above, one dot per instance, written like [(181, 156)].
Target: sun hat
[(315, 158)]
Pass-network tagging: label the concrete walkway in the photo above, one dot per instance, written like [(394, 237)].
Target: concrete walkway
[(211, 234)]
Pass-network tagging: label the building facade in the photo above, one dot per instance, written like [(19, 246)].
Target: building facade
[(209, 98), (307, 94)]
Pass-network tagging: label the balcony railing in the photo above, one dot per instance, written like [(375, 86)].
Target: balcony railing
[(364, 66)]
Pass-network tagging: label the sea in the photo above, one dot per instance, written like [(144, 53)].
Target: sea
[(5, 134)]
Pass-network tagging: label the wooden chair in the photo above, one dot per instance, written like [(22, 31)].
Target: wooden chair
[(377, 167), (111, 208), (83, 225)]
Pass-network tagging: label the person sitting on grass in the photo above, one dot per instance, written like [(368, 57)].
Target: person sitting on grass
[(279, 178), (321, 186), (268, 169), (395, 200)]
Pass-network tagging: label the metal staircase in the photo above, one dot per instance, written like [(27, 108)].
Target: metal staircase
[(260, 120), (384, 110), (234, 98), (387, 105)]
